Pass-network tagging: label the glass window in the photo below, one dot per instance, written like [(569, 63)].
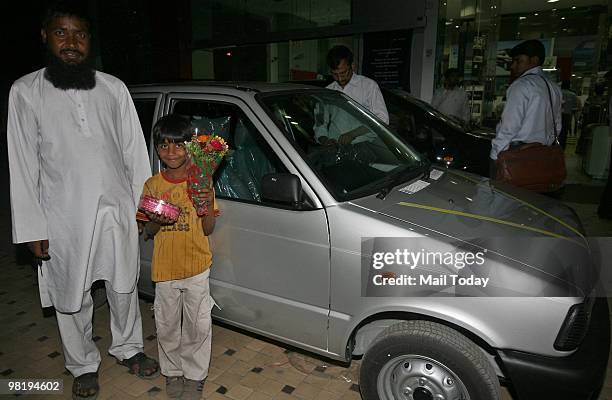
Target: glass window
[(145, 108), (292, 60), (401, 118), (249, 158), (222, 18), (476, 38), (352, 153)]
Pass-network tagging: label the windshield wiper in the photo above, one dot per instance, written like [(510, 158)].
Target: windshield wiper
[(403, 175)]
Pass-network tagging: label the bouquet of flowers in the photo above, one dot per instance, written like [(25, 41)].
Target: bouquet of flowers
[(205, 154)]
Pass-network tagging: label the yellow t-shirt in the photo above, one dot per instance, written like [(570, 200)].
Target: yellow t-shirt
[(180, 250)]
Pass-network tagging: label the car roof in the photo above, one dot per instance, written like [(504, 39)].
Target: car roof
[(196, 85)]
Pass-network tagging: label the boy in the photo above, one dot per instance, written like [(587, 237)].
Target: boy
[(181, 262)]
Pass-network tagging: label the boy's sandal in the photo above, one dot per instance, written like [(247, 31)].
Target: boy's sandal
[(142, 366), (85, 387)]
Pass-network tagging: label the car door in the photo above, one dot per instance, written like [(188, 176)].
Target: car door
[(271, 263), (148, 106)]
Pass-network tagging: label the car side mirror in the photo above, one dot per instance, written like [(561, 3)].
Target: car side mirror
[(282, 188)]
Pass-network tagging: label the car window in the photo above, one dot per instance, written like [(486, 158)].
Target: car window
[(401, 116), (145, 108), (249, 158), (363, 154)]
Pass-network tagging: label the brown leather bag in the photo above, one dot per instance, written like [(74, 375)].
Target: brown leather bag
[(534, 166)]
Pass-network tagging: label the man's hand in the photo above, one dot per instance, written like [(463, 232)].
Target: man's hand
[(326, 141), (40, 249), (346, 138)]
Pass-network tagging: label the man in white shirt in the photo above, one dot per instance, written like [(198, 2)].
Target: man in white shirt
[(360, 88), (78, 161), (451, 99), (532, 113)]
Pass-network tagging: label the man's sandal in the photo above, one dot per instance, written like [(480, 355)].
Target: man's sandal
[(142, 366), (85, 387)]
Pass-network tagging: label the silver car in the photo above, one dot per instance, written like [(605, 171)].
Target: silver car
[(309, 244)]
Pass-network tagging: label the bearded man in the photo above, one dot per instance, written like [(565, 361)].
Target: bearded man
[(78, 161)]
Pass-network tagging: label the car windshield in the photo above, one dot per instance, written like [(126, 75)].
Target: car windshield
[(351, 151), (454, 122)]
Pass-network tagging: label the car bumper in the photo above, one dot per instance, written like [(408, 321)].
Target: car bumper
[(578, 376)]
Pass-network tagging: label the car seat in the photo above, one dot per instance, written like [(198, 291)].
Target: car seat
[(244, 166)]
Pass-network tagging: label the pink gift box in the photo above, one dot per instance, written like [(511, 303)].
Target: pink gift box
[(157, 206)]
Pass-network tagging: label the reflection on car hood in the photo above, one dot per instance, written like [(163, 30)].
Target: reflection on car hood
[(468, 208), (457, 203)]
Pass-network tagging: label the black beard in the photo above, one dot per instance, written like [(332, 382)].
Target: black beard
[(66, 76)]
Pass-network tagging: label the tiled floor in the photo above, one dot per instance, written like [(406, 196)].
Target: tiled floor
[(242, 367)]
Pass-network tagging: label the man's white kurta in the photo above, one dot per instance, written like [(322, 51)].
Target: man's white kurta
[(366, 92), (78, 162)]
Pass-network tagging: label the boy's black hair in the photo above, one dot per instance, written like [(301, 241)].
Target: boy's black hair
[(337, 54), (530, 48), (66, 8), (173, 127)]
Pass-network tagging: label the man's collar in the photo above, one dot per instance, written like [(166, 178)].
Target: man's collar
[(535, 70), (352, 81)]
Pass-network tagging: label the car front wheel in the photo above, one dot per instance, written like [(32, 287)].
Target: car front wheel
[(423, 360)]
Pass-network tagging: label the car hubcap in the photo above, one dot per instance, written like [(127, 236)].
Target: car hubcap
[(413, 377)]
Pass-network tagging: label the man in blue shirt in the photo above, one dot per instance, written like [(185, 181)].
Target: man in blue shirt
[(532, 113)]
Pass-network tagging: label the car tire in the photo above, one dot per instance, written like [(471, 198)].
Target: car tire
[(426, 360)]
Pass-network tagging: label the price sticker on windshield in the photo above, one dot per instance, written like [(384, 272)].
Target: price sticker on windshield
[(435, 174), (414, 187)]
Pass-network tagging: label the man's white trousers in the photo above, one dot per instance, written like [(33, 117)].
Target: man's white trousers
[(80, 351)]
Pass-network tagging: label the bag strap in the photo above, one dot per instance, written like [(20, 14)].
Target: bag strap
[(551, 108), (551, 105)]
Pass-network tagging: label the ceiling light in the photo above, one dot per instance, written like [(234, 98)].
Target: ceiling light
[(552, 1), (457, 26), (562, 17), (573, 7), (536, 14), (522, 17)]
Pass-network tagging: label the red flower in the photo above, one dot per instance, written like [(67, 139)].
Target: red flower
[(216, 145)]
